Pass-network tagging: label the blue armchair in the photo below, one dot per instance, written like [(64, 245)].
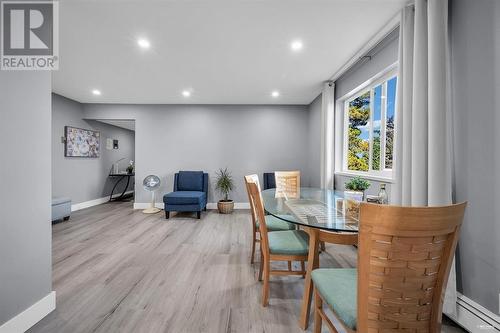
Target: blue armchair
[(189, 195)]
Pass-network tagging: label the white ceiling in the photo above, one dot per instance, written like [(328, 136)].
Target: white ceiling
[(127, 124), (225, 52)]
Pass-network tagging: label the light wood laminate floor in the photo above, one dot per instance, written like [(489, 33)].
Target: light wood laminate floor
[(118, 270)]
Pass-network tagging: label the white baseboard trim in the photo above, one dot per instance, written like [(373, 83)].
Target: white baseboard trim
[(32, 315), (95, 202), (474, 317), (210, 205)]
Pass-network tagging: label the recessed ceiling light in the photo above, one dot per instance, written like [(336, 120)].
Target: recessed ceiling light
[(96, 92), (186, 93), (275, 93), (143, 43), (296, 45)]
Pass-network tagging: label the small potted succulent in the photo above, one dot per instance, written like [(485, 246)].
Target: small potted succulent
[(355, 188), (224, 186)]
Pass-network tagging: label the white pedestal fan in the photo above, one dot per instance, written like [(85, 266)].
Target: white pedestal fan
[(151, 184)]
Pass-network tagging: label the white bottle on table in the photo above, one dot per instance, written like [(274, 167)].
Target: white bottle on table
[(382, 195)]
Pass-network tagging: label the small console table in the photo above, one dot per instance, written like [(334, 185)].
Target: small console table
[(120, 177)]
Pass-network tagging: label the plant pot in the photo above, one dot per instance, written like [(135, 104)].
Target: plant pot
[(354, 195), (225, 206), (352, 201)]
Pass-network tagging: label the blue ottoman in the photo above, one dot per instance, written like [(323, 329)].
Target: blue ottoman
[(61, 209)]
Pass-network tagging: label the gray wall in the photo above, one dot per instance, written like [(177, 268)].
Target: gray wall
[(314, 156), (245, 139), (475, 41), (25, 228), (382, 56), (84, 179)]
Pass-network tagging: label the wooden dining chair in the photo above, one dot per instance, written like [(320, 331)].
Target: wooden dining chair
[(404, 259), (272, 223), (287, 184), (288, 245)]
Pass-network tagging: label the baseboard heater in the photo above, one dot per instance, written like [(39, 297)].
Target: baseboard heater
[(474, 317)]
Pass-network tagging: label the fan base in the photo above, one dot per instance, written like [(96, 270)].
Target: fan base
[(151, 210)]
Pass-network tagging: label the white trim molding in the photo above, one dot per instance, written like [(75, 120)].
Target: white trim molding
[(95, 202), (210, 205), (366, 176), (32, 315), (342, 133), (474, 317)]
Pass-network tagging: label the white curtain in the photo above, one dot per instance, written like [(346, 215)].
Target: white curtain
[(327, 115), (423, 145)]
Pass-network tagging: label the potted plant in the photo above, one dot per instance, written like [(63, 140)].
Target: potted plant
[(130, 168), (355, 188), (224, 185)]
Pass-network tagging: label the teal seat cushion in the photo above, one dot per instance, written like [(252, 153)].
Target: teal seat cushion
[(338, 287), (275, 224), (291, 242)]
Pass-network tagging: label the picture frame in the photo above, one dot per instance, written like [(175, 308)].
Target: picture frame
[(80, 142)]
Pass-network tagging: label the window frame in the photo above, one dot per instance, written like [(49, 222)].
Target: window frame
[(384, 174)]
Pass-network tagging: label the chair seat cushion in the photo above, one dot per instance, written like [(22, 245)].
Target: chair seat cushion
[(338, 287), (275, 224), (184, 198), (290, 242)]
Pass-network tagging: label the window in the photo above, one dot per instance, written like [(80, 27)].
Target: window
[(369, 128)]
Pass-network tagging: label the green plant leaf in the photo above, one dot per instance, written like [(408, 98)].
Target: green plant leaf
[(357, 184), (224, 182)]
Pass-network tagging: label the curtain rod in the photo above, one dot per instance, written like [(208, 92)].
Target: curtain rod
[(374, 40)]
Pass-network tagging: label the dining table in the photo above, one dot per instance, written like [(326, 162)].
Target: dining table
[(326, 215)]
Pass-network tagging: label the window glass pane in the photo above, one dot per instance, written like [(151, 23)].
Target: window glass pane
[(389, 134), (358, 142), (377, 115)]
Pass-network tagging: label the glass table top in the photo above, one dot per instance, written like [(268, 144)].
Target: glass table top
[(317, 208)]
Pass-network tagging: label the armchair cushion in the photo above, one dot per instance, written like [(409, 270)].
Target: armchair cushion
[(338, 287), (185, 198), (190, 181)]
